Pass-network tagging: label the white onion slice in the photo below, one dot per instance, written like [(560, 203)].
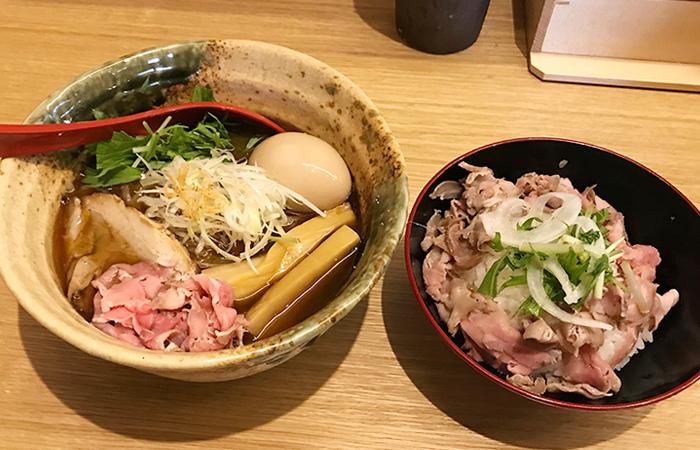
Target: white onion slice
[(507, 213), (505, 218), (572, 293), (567, 212), (634, 287), (535, 280)]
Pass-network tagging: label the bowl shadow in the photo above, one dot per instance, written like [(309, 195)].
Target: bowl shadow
[(144, 406), (519, 28), (378, 14), (472, 400)]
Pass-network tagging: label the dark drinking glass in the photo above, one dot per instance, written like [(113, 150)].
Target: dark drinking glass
[(440, 26)]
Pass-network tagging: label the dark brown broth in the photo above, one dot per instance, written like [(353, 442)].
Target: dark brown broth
[(312, 300), (106, 251), (307, 304), (59, 247)]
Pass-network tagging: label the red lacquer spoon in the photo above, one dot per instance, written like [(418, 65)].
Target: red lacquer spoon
[(19, 140)]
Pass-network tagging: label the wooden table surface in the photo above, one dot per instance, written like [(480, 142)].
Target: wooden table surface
[(380, 378)]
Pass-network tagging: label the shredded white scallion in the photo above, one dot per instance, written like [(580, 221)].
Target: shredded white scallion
[(535, 276), (219, 203)]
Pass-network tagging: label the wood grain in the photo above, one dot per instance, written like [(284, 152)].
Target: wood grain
[(380, 378)]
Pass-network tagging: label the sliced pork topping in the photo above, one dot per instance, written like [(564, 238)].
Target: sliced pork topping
[(493, 333), (435, 268), (158, 307), (447, 190), (542, 281), (431, 231), (483, 191), (534, 185), (589, 368), (100, 231), (540, 331)]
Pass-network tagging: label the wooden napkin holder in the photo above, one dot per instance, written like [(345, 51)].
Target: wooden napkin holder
[(640, 43)]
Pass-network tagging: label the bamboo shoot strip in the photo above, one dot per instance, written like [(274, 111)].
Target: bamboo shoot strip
[(283, 255), (300, 278)]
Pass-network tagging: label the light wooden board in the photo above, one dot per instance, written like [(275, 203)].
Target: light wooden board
[(380, 378), (644, 43)]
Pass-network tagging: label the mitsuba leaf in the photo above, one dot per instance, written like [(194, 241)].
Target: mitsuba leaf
[(202, 94), (529, 306), (115, 160), (595, 267), (489, 286), (518, 259), (553, 288), (600, 217), (496, 244), (112, 177), (515, 280), (529, 224), (573, 266), (589, 237)]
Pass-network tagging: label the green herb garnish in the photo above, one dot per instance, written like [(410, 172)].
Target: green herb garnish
[(145, 85), (515, 280), (529, 224), (600, 217), (517, 259), (573, 265), (529, 306), (496, 244), (595, 267), (589, 237), (123, 158), (490, 284), (553, 288), (98, 114), (203, 94)]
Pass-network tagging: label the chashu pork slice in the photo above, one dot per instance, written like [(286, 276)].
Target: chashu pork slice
[(100, 231)]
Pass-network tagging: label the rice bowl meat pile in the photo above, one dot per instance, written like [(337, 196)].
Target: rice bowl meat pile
[(542, 281)]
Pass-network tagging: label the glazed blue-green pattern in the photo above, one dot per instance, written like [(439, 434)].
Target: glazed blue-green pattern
[(129, 85)]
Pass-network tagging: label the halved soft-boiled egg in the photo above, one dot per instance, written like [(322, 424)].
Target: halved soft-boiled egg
[(307, 165)]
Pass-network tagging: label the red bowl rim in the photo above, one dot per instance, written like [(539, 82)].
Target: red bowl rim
[(475, 365)]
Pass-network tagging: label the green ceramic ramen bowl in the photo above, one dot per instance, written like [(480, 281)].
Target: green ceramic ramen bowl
[(290, 88)]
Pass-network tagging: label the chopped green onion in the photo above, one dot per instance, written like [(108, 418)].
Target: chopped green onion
[(490, 284), (634, 287), (535, 281), (548, 249), (589, 237), (496, 245), (529, 224), (598, 289), (529, 306), (515, 280)]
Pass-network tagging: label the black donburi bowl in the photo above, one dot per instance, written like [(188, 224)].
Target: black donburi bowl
[(655, 213)]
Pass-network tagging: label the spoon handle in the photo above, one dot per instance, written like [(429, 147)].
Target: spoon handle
[(20, 140)]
